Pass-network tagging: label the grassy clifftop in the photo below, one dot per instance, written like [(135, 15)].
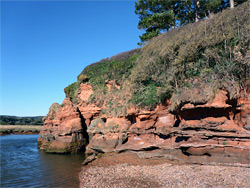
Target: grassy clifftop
[(212, 54)]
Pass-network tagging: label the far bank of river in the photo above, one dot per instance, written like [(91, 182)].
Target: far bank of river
[(20, 129), (23, 165)]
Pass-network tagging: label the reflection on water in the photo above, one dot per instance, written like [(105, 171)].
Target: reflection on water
[(23, 165)]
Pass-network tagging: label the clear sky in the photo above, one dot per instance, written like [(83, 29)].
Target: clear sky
[(46, 44)]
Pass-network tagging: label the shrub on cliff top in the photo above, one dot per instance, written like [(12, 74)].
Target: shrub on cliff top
[(116, 68), (214, 52), (71, 90), (215, 49)]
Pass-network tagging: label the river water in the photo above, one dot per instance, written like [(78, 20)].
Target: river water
[(23, 165)]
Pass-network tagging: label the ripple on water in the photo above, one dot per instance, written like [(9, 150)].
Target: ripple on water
[(23, 165)]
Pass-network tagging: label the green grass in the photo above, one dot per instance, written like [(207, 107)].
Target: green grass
[(105, 71), (71, 90), (116, 69)]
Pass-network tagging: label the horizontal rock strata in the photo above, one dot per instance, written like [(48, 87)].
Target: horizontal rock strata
[(64, 129), (215, 131)]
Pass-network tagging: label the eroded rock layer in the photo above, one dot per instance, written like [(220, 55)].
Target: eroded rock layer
[(213, 131), (64, 129)]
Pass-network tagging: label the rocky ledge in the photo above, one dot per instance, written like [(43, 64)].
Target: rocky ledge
[(212, 131)]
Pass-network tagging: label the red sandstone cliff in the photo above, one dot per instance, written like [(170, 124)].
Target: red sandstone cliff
[(216, 131), (199, 73)]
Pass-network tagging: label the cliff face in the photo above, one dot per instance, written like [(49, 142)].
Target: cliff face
[(185, 95), (216, 131), (64, 129)]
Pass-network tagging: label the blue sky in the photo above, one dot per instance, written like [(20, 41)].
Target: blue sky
[(46, 44)]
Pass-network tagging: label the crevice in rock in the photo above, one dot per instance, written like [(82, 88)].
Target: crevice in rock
[(68, 134), (151, 128), (84, 132), (236, 112), (132, 119), (235, 136), (181, 138), (163, 136), (144, 119), (125, 140), (205, 129), (151, 148), (104, 120), (232, 102), (177, 122), (184, 151), (97, 150), (207, 154), (51, 138), (201, 113), (90, 120)]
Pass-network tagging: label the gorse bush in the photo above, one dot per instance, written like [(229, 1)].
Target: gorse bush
[(212, 54)]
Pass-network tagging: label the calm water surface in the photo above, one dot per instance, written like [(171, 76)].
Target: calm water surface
[(23, 165)]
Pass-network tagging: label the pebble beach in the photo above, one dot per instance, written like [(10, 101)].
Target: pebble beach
[(128, 173)]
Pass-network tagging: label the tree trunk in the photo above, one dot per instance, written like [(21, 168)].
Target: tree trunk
[(197, 7), (231, 3), (173, 26)]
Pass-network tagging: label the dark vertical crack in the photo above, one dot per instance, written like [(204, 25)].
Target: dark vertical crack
[(177, 122), (84, 132)]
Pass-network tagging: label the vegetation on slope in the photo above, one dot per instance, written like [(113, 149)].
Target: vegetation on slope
[(14, 120), (211, 54), (116, 68), (214, 51), (157, 16)]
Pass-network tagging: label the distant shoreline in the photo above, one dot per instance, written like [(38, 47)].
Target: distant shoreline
[(20, 129), (16, 120)]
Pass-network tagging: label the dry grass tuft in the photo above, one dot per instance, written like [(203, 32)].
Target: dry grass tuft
[(8, 129)]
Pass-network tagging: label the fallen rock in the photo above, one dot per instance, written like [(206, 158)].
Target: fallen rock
[(89, 159)]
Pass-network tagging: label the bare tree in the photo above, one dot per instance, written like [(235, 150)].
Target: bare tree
[(231, 3), (197, 6)]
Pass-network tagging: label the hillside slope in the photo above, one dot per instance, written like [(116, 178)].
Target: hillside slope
[(15, 120), (185, 95), (212, 53)]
